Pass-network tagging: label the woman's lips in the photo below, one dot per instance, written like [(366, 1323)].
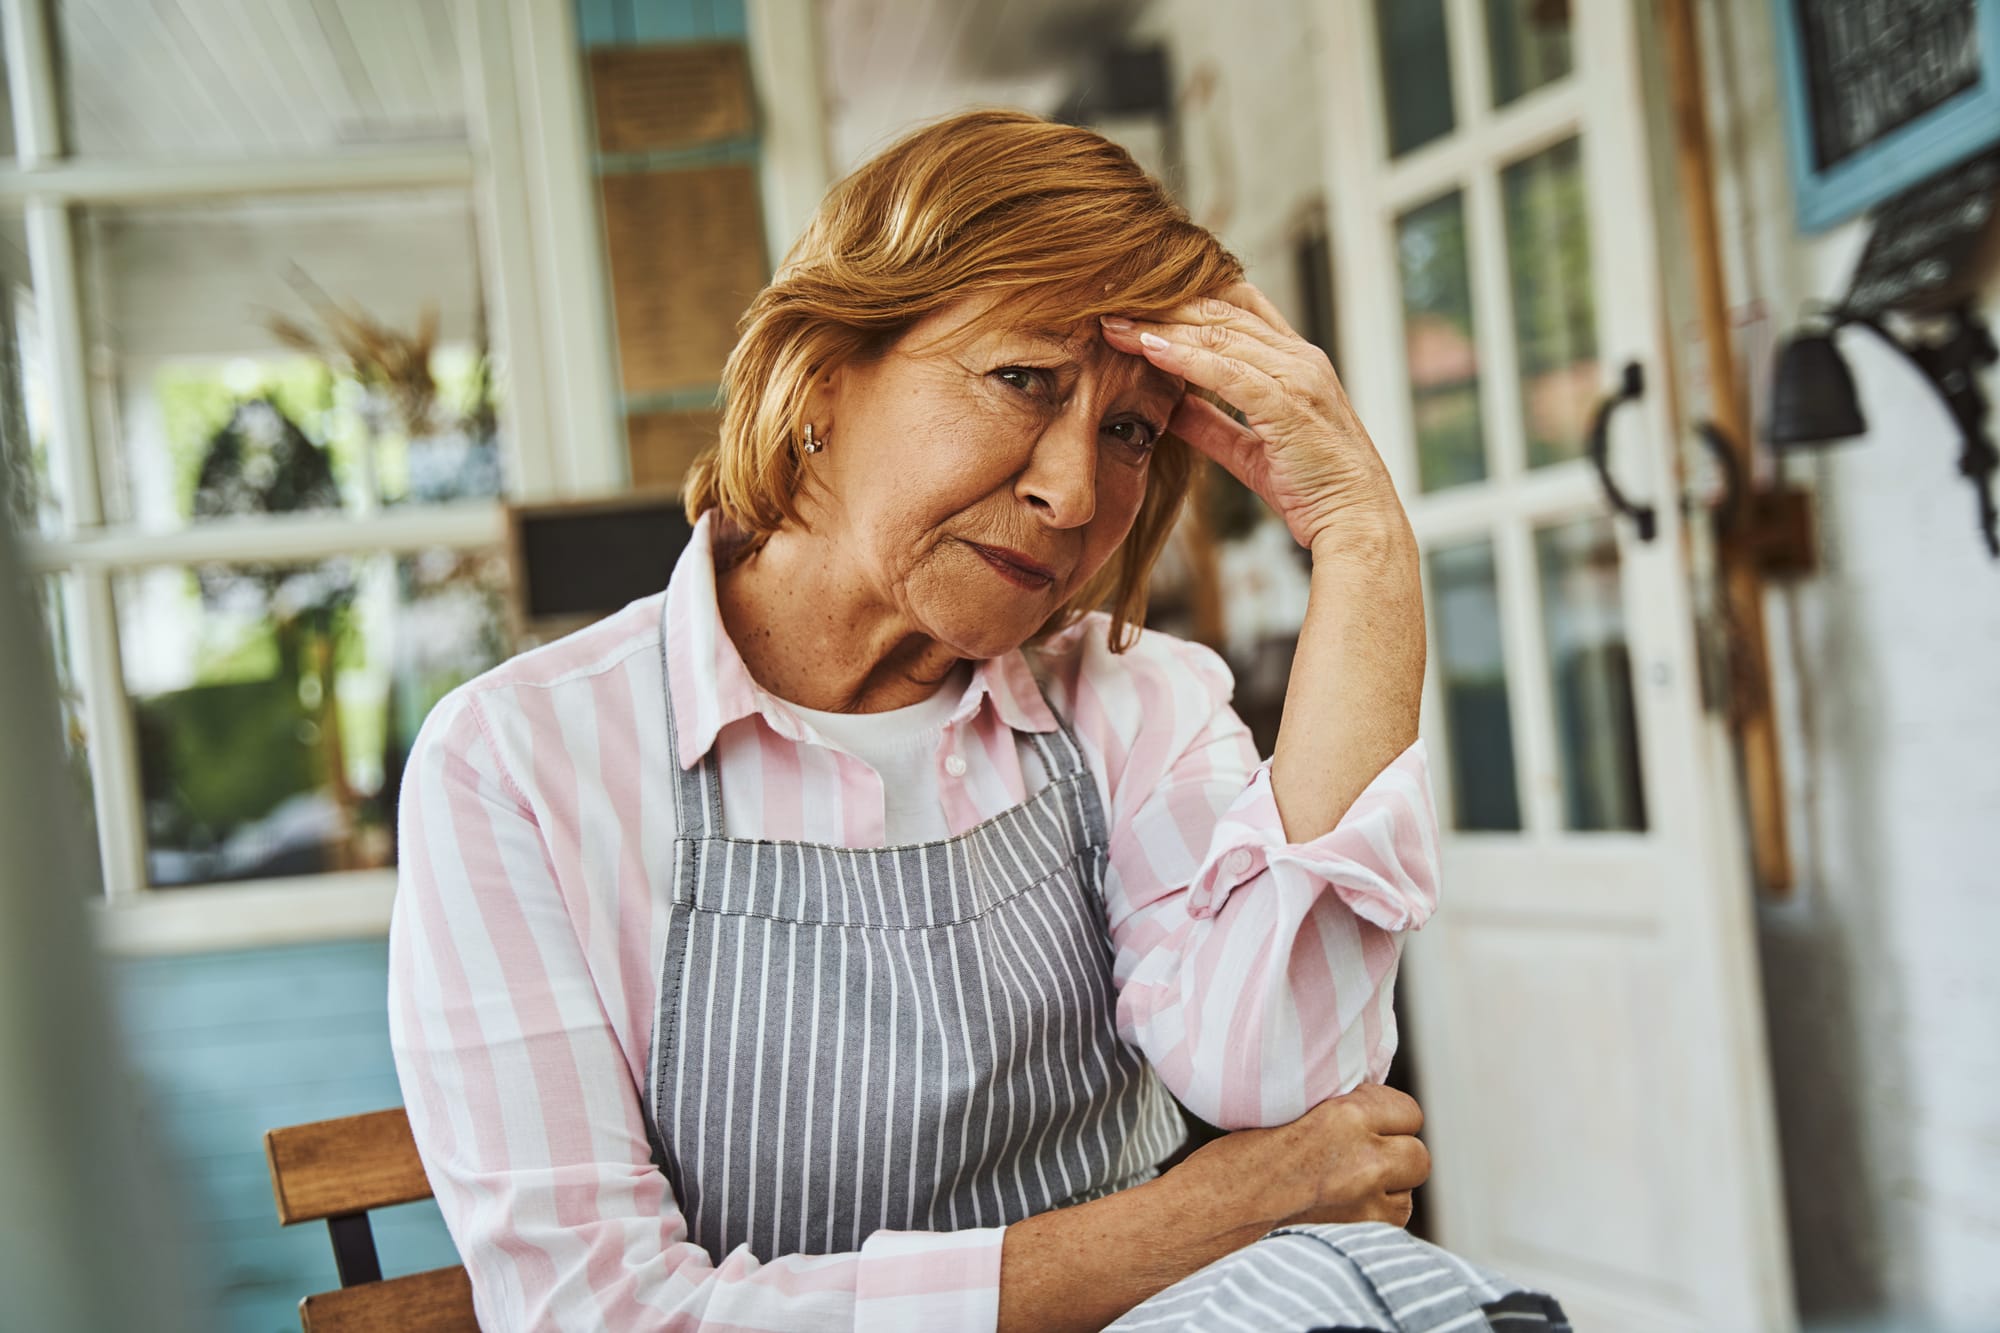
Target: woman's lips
[(1016, 568)]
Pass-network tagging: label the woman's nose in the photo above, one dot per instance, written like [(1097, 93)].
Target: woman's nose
[(1060, 481)]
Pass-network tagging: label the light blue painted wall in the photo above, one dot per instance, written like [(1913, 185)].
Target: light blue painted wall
[(227, 1045), (615, 22)]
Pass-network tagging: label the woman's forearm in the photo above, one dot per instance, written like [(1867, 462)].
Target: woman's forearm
[(1349, 1159), (1081, 1268), (1358, 675)]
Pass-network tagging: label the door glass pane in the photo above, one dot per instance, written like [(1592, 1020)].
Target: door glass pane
[(275, 704), (1528, 42), (275, 355), (1555, 308), (221, 78), (1465, 604), (27, 477), (1416, 71), (1439, 345), (1590, 675)]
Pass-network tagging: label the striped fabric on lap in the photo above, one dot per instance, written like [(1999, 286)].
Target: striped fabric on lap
[(1364, 1277)]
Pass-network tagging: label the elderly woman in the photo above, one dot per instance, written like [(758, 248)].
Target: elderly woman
[(824, 942)]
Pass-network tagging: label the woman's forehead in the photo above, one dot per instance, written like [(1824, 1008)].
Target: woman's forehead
[(980, 323)]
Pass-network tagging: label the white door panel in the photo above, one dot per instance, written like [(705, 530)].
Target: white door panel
[(1583, 1009)]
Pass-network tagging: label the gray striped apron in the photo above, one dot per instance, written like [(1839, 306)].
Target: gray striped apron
[(916, 1038)]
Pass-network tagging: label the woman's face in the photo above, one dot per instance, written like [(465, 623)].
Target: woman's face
[(973, 481)]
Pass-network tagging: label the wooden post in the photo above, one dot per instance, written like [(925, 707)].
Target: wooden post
[(1751, 713)]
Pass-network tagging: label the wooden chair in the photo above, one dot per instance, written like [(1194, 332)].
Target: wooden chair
[(336, 1171)]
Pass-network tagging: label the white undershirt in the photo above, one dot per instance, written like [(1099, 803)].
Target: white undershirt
[(901, 745)]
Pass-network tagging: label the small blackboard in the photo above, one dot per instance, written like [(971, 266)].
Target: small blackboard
[(1884, 93), (575, 562), (1873, 66), (1928, 241)]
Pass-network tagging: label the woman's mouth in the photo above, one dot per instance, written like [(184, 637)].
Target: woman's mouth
[(1016, 568)]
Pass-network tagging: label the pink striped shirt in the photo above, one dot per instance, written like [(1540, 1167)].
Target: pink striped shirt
[(537, 826)]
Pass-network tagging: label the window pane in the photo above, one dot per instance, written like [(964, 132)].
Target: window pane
[(215, 78), (1416, 71), (1528, 42), (1465, 603), (1555, 308), (1590, 675), (275, 704), (7, 148), (1439, 344), (27, 479), (57, 615), (283, 355)]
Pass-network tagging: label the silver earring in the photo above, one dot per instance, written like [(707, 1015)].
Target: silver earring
[(812, 446)]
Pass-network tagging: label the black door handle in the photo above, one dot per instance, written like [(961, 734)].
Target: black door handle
[(1729, 512), (1631, 387)]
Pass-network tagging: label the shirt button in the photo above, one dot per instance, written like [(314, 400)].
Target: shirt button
[(955, 765), (1236, 863)]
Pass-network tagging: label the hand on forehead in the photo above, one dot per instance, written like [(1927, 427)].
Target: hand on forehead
[(968, 331)]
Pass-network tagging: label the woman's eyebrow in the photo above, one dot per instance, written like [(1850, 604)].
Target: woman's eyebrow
[(1055, 339)]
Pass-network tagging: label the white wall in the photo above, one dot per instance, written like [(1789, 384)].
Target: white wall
[(1882, 987), (1248, 107)]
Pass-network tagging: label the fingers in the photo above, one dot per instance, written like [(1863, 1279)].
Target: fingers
[(1215, 433), (1280, 361), (1387, 1110), (1406, 1164), (1247, 296), (1240, 309), (1247, 384)]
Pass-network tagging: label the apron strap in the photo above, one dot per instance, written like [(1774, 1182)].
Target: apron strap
[(1062, 758)]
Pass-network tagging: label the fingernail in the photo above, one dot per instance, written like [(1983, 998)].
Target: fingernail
[(1115, 323), (1153, 342)]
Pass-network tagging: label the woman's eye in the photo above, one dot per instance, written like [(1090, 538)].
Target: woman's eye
[(1140, 436), (1027, 379)]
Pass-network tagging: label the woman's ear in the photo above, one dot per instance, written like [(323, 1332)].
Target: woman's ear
[(822, 401)]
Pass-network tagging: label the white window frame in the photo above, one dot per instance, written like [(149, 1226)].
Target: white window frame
[(526, 166)]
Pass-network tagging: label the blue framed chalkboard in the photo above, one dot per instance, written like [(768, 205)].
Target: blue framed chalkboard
[(1880, 94)]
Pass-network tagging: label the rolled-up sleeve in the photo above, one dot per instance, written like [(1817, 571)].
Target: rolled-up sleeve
[(527, 1119), (1257, 974)]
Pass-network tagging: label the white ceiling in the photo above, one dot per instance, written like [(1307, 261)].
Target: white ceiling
[(198, 280), (151, 77)]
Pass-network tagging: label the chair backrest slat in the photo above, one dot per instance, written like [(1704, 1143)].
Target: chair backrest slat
[(335, 1171), (334, 1167), (439, 1301)]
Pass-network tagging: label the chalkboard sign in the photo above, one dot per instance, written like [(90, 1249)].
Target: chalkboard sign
[(1929, 241), (1884, 93), (578, 561)]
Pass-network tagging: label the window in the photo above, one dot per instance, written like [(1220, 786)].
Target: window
[(257, 422)]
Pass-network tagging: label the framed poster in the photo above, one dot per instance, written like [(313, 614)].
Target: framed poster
[(1881, 94)]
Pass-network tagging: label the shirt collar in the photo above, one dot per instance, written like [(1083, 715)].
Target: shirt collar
[(713, 688)]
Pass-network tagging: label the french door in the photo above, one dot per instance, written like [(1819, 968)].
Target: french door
[(1584, 1010)]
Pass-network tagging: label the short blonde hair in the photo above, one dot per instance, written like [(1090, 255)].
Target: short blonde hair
[(1056, 224)]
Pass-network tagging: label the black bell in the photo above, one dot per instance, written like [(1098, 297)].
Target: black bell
[(1813, 402)]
